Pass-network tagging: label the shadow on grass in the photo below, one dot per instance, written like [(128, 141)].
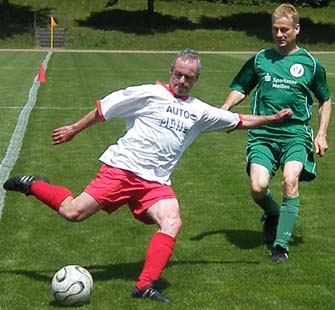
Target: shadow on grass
[(259, 25), (253, 24), (18, 19), (243, 239), (125, 271)]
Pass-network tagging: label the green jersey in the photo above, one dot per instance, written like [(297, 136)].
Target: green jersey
[(282, 82)]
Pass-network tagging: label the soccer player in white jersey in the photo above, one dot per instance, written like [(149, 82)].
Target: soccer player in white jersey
[(162, 121), (284, 77)]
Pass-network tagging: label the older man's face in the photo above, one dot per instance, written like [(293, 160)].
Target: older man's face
[(183, 76)]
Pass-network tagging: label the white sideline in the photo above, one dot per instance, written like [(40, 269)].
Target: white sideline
[(15, 143)]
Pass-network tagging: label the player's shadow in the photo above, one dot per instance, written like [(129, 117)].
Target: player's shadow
[(125, 271), (243, 238)]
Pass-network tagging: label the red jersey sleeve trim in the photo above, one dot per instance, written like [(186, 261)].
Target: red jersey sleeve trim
[(98, 103), (239, 124)]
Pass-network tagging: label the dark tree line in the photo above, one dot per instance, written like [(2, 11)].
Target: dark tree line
[(4, 11), (5, 6)]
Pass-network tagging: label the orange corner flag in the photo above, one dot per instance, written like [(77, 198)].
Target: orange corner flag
[(41, 75), (52, 22)]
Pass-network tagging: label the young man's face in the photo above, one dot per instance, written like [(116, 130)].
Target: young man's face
[(183, 76), (285, 33)]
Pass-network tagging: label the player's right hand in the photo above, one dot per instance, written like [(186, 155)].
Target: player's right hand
[(62, 134)]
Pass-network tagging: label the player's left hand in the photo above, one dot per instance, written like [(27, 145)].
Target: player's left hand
[(320, 145)]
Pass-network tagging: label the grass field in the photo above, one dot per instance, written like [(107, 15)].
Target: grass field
[(219, 260)]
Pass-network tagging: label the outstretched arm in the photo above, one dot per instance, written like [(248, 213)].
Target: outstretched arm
[(320, 142), (254, 121), (66, 133)]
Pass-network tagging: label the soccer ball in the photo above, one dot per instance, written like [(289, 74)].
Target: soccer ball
[(72, 286)]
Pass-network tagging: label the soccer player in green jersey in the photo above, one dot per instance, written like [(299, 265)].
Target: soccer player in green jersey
[(283, 77)]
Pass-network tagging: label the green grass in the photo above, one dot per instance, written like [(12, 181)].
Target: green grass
[(219, 260), (203, 25)]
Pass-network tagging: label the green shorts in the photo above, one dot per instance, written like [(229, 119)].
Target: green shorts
[(274, 155)]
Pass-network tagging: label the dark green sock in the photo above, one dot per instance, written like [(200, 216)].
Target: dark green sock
[(288, 215), (269, 206)]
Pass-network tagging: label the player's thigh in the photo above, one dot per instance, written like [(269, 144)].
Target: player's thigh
[(259, 177), (164, 209), (292, 161), (79, 208), (291, 174), (292, 169), (165, 213)]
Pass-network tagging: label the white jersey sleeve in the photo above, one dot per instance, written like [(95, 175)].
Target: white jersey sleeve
[(123, 103), (160, 127)]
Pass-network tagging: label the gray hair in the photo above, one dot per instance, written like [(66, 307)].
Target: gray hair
[(185, 55)]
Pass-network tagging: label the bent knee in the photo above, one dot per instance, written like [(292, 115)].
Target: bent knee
[(171, 225), (78, 209), (258, 190), (70, 215), (177, 224), (290, 187), (290, 181)]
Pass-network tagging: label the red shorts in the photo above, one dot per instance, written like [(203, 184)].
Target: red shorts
[(114, 187)]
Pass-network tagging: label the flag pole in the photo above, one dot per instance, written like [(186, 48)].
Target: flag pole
[(53, 24), (52, 37)]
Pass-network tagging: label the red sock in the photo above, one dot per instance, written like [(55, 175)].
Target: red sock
[(51, 195), (158, 254)]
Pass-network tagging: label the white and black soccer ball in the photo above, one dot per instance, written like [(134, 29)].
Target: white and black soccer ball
[(72, 285)]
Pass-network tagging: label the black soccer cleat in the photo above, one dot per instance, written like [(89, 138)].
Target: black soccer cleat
[(22, 183), (279, 254), (149, 292), (269, 227)]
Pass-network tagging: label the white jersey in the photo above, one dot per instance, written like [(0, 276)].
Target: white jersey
[(160, 127)]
